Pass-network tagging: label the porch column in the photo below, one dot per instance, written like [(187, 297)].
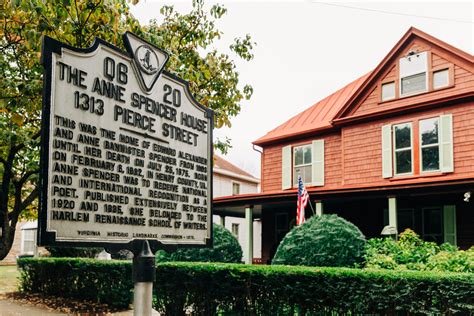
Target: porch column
[(249, 224), (319, 207), (392, 211)]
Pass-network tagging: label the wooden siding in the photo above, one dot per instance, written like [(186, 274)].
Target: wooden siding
[(463, 82), (354, 159), (271, 162), (363, 152)]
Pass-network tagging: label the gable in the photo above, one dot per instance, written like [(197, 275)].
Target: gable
[(437, 55), (362, 97)]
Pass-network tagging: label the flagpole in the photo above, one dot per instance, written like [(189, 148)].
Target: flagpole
[(312, 210)]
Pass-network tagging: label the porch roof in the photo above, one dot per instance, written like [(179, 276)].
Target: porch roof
[(236, 204)]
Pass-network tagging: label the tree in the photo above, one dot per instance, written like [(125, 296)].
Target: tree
[(187, 37)]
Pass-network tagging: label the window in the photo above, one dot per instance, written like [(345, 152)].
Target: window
[(435, 223), (235, 188), (402, 148), (429, 141), (413, 73), (235, 230), (433, 150), (302, 164), (388, 91), (306, 161), (413, 84), (405, 219), (29, 241), (432, 224), (440, 78)]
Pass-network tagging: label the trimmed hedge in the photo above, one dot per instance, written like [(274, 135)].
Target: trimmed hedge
[(99, 281), (284, 290), (208, 289)]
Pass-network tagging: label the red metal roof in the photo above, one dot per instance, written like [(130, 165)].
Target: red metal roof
[(317, 117)]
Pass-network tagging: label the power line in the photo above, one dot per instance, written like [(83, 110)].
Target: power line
[(391, 12)]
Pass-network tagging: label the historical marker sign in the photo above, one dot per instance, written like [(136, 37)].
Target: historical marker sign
[(126, 150)]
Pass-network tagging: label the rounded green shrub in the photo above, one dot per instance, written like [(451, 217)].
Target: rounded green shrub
[(226, 248), (326, 240)]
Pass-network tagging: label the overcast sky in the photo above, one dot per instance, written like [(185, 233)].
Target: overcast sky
[(306, 50)]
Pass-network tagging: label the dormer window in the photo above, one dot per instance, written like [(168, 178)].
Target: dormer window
[(388, 91), (440, 78), (413, 73)]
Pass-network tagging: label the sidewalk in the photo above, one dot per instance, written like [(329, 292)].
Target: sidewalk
[(9, 308)]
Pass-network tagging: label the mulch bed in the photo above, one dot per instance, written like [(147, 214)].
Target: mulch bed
[(61, 304)]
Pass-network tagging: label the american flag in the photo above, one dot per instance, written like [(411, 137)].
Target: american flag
[(303, 198)]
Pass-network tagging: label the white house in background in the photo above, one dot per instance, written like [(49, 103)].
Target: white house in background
[(231, 180), (28, 239)]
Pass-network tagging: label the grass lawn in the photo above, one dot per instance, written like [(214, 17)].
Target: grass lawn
[(8, 279)]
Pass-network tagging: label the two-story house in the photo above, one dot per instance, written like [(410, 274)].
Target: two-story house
[(394, 147), (230, 180)]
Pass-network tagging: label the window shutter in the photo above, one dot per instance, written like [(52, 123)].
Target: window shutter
[(446, 143), (387, 151), (449, 221), (317, 167), (286, 168)]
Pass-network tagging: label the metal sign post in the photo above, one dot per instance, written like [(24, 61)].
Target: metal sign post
[(143, 271), (126, 155)]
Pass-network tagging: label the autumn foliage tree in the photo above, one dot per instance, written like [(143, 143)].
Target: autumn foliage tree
[(188, 38)]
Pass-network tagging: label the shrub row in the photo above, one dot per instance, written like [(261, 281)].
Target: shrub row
[(99, 281), (284, 290), (208, 289)]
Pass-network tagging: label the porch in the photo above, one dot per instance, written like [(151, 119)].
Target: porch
[(437, 213)]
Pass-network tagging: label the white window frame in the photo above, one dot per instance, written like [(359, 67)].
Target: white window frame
[(293, 167), (233, 226), (433, 78), (409, 74), (394, 91), (23, 240), (395, 150), (428, 146), (239, 184)]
